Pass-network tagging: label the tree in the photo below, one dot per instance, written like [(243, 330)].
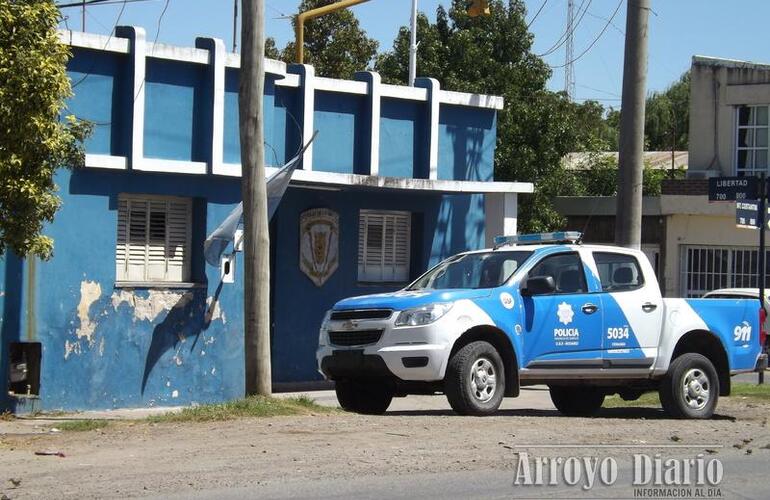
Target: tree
[(334, 43), (492, 55), (271, 50), (34, 140), (667, 117)]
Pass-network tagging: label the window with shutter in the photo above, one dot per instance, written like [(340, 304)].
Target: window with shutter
[(384, 245), (153, 239)]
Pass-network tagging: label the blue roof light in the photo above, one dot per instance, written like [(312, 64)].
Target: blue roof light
[(539, 238)]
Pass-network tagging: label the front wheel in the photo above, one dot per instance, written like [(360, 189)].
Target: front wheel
[(690, 388), (475, 380), (577, 401), (369, 398)]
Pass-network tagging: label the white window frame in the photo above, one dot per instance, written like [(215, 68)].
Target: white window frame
[(751, 149), (393, 268), (142, 263), (731, 276)]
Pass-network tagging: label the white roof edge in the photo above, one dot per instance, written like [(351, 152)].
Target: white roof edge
[(233, 60), (93, 41), (475, 100), (333, 179), (727, 63)]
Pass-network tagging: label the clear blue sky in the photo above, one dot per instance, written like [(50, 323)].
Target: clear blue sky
[(678, 30)]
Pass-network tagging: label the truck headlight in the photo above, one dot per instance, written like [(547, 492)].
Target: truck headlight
[(423, 315), (324, 327)]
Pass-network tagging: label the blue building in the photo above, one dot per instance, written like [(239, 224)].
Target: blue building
[(127, 313)]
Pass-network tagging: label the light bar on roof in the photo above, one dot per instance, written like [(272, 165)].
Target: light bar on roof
[(539, 238)]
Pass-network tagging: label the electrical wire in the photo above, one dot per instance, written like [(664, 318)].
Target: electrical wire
[(97, 3), (569, 31), (590, 46), (537, 14), (109, 37)]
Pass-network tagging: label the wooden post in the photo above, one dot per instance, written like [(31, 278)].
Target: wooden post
[(256, 238)]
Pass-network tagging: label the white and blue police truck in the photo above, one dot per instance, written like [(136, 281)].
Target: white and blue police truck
[(586, 320)]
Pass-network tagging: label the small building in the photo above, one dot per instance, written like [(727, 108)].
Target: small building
[(127, 313), (699, 246)]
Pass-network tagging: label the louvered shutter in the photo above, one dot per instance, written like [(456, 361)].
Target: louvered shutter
[(153, 239), (384, 246)]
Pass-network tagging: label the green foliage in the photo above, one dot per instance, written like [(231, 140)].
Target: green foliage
[(82, 425), (251, 406), (667, 117), (34, 141), (334, 43), (492, 55)]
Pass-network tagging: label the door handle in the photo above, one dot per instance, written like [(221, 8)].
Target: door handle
[(589, 308), (649, 306)]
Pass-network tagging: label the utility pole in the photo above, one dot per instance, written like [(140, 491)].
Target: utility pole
[(628, 218), (235, 25), (256, 238), (413, 45), (83, 18)]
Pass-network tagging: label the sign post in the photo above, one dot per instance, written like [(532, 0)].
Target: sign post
[(750, 195)]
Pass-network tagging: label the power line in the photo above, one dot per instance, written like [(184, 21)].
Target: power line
[(109, 37), (590, 46), (537, 14), (98, 3), (563, 38)]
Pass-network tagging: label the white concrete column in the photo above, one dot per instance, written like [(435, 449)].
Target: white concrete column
[(307, 90), (433, 87), (138, 53), (501, 214), (374, 82), (216, 72)]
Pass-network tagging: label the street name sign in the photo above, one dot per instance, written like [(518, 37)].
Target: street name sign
[(747, 214), (733, 188)]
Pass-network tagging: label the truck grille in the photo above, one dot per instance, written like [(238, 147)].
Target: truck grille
[(361, 314), (355, 337)]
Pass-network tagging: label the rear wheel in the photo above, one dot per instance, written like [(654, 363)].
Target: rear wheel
[(369, 398), (577, 401), (690, 388), (475, 380)]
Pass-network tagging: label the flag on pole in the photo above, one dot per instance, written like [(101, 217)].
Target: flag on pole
[(277, 184)]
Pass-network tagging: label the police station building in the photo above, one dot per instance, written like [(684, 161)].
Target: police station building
[(128, 313)]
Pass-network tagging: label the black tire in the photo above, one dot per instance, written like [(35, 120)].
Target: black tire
[(468, 383), (690, 403), (369, 397), (576, 401)]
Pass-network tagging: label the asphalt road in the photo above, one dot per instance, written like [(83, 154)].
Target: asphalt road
[(741, 480)]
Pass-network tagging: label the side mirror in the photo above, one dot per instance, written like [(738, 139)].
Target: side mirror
[(538, 285)]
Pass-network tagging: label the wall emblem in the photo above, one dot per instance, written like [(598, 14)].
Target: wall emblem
[(319, 244)]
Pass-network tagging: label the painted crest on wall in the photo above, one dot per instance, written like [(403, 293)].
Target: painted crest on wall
[(319, 231)]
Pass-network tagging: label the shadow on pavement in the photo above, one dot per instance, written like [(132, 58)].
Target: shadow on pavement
[(619, 413)]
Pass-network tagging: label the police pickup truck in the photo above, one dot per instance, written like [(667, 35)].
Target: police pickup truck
[(586, 320)]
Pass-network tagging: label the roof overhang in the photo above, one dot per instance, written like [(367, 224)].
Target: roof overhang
[(338, 181)]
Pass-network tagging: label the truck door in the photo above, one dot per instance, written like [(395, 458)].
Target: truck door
[(562, 330), (632, 307)]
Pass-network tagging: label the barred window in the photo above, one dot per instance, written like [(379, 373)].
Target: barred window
[(384, 246), (153, 239), (704, 269)]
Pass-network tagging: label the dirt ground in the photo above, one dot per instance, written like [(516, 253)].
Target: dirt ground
[(140, 459)]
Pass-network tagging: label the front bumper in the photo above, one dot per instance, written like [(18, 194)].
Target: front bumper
[(409, 353)]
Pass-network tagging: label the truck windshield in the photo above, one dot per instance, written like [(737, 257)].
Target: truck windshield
[(472, 270)]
